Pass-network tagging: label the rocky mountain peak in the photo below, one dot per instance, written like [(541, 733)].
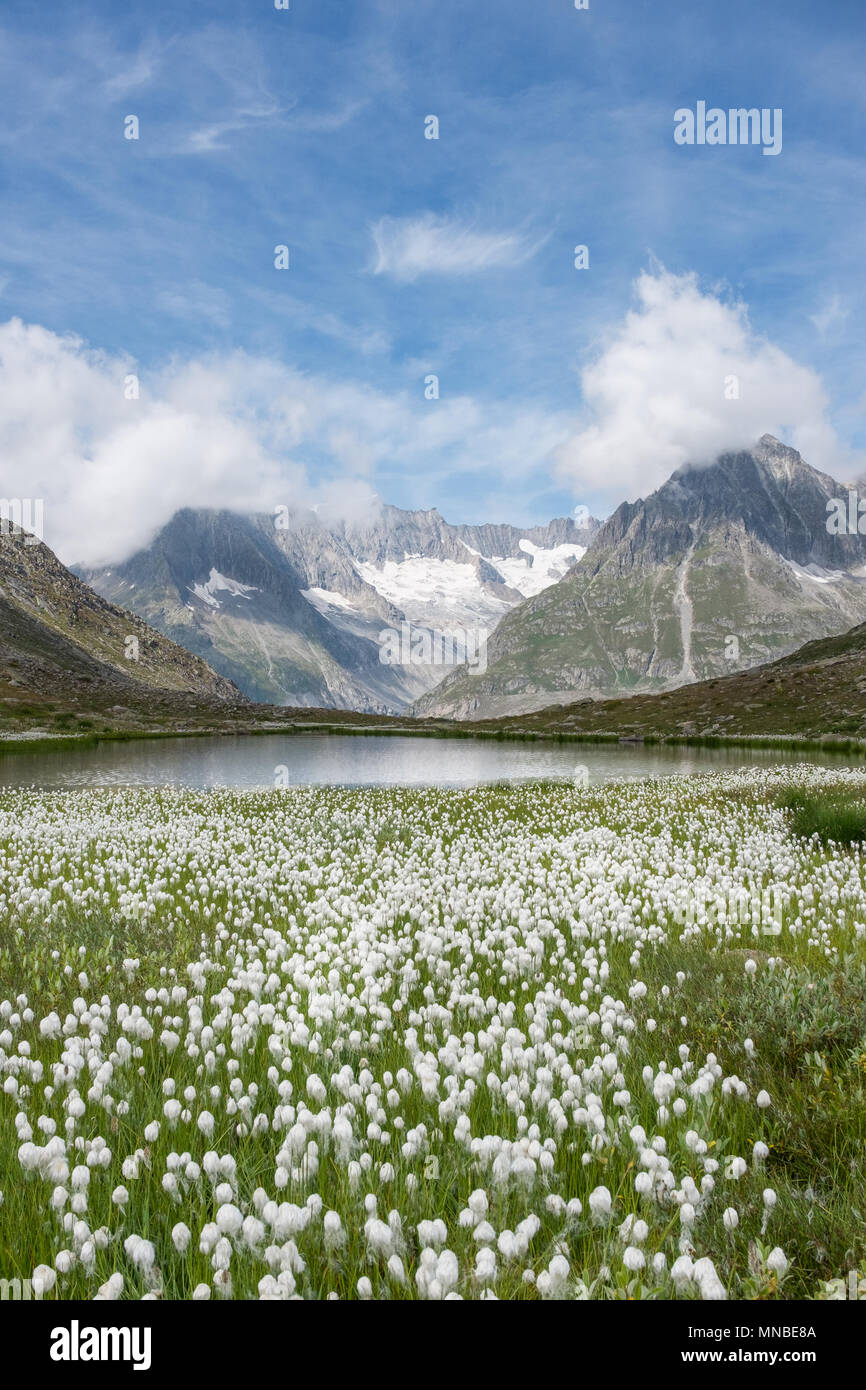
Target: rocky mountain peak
[(724, 567)]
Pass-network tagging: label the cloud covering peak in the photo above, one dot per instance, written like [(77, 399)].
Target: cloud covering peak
[(114, 457), (682, 379)]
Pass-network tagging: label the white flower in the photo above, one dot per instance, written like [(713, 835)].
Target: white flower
[(43, 1280), (600, 1203), (380, 1239), (777, 1261), (181, 1236), (708, 1281), (229, 1219), (111, 1290), (432, 1233)]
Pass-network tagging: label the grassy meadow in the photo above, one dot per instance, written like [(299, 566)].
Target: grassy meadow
[(519, 1041)]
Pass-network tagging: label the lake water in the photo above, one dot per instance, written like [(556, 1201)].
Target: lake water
[(371, 760)]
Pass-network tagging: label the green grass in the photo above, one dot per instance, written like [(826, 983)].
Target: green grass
[(809, 1031), (835, 817)]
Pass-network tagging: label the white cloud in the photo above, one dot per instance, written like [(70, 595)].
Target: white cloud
[(213, 136), (138, 73), (407, 247), (235, 431), (832, 312), (197, 301), (658, 396)]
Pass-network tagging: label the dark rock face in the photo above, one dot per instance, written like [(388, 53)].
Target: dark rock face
[(56, 634)]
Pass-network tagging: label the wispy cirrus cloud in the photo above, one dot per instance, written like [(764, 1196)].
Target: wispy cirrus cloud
[(409, 247), (211, 137), (831, 314), (215, 135), (129, 74)]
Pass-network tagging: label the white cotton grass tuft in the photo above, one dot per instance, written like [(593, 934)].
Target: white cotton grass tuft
[(705, 1276), (181, 1236), (43, 1280), (112, 1289), (600, 1202), (229, 1219), (777, 1261)]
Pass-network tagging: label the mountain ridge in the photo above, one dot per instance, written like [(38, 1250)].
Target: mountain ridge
[(723, 568), (57, 634), (294, 612)]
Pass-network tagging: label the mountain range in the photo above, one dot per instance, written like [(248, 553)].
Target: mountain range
[(293, 610), (726, 568)]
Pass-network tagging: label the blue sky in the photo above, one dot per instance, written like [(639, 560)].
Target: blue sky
[(411, 256)]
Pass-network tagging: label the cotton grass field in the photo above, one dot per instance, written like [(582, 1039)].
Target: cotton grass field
[(523, 1041)]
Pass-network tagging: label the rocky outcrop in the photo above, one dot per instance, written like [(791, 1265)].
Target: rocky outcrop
[(56, 635)]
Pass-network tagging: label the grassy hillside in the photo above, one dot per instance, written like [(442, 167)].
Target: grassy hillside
[(815, 693)]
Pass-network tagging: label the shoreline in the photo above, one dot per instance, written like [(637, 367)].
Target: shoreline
[(10, 744)]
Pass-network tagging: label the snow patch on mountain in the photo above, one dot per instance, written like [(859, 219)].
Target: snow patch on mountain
[(221, 584), (816, 574), (324, 600), (436, 593), (540, 569)]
